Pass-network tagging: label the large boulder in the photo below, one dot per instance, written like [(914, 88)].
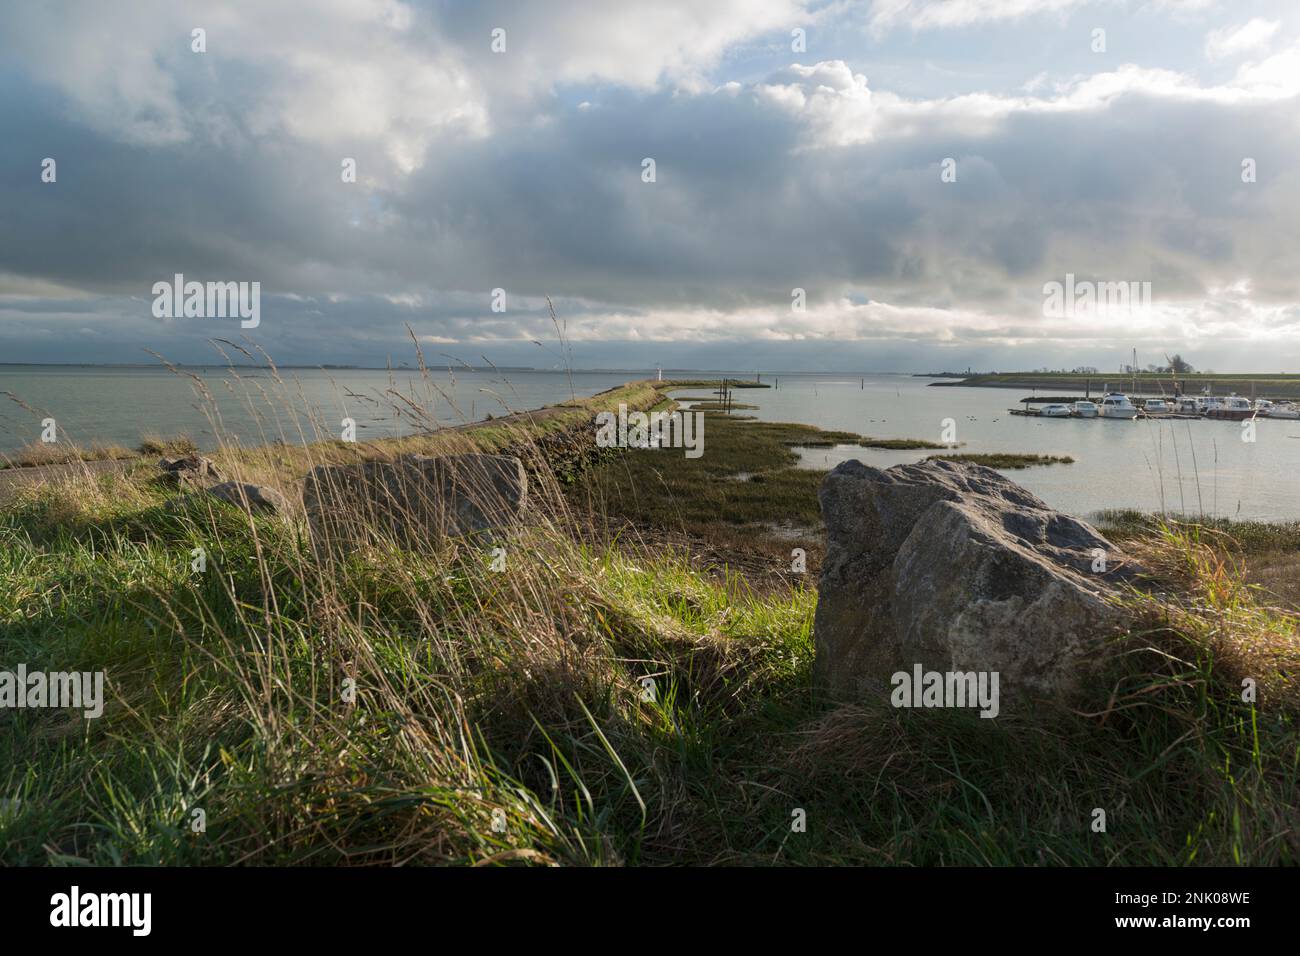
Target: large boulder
[(958, 569), (414, 500)]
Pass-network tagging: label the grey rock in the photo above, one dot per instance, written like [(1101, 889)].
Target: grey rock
[(251, 497), (957, 568), (415, 499), (189, 470)]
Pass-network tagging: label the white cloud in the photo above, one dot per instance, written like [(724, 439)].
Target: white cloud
[(392, 74), (641, 45), (1276, 76), (812, 176), (1183, 6), (1255, 34), (839, 107), (1226, 313), (349, 72), (945, 14)]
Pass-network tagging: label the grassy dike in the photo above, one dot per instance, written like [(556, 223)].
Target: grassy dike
[(507, 718)]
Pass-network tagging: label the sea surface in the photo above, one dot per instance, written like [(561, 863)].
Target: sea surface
[(1176, 466), (116, 405), (1188, 467)]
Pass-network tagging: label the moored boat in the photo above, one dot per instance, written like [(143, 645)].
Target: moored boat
[(1284, 410), (1055, 410), (1117, 405), (1084, 409), (1234, 408)]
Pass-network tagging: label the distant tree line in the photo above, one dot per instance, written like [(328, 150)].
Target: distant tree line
[(1177, 364)]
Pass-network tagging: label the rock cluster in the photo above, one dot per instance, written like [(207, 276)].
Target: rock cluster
[(189, 470)]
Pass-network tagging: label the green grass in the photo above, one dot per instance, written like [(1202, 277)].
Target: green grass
[(1269, 553), (897, 443), (1005, 460), (711, 405), (544, 682), (502, 717), (521, 696), (744, 495), (1248, 537), (708, 383)]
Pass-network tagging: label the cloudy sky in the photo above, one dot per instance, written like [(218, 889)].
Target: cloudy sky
[(1101, 138)]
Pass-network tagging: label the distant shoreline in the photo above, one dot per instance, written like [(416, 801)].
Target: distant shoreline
[(1258, 385), (218, 365), (406, 367)]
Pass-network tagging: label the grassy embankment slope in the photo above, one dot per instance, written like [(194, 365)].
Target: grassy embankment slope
[(1263, 385), (503, 717)]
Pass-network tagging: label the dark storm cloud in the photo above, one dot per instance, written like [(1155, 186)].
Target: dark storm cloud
[(477, 172)]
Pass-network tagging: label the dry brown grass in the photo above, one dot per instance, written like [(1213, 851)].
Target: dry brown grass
[(37, 454), (484, 696), (1209, 606), (154, 445)]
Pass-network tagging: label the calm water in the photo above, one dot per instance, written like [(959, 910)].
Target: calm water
[(119, 405), (1117, 464)]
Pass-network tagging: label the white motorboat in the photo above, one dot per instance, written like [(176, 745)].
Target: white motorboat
[(1156, 406), (1190, 405), (1234, 408), (1084, 409), (1284, 410), (1117, 405), (1055, 410)]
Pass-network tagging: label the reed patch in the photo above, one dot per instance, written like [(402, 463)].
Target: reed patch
[(651, 430)]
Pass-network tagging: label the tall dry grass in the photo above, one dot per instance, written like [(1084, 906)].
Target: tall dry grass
[(594, 701)]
